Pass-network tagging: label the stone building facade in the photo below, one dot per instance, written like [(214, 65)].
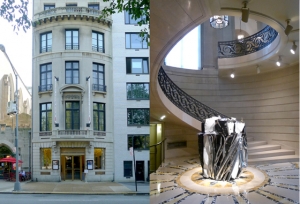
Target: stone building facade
[(84, 71)]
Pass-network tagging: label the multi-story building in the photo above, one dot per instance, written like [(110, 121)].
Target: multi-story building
[(90, 94)]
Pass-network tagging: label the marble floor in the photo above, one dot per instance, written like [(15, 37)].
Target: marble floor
[(179, 180)]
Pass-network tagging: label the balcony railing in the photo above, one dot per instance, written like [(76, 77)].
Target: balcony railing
[(73, 46), (248, 45), (72, 133), (67, 11), (98, 48), (46, 49), (183, 101), (98, 87), (44, 88)]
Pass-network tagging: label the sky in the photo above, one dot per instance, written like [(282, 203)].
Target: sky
[(18, 47)]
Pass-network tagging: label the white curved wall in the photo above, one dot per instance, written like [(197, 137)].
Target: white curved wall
[(268, 103)]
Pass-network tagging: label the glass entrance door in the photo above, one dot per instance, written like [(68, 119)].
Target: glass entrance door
[(72, 168)]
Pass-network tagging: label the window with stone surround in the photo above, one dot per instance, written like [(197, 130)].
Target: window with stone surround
[(72, 72), (137, 116), (46, 42), (46, 117), (97, 42), (99, 116), (46, 158), (72, 39), (137, 65), (130, 20), (127, 169), (135, 41), (45, 77), (137, 91), (99, 158)]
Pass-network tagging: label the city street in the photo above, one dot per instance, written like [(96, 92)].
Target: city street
[(67, 198)]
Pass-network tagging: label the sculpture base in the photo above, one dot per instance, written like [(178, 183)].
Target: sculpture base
[(250, 179)]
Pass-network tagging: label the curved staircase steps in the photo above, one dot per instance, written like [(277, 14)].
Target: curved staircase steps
[(259, 152)]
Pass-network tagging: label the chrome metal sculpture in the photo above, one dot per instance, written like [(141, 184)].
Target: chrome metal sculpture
[(222, 148)]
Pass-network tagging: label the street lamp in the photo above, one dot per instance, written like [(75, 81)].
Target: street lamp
[(17, 186)]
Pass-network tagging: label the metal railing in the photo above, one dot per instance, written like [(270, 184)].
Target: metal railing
[(44, 88), (72, 46), (67, 11), (98, 87), (162, 156), (98, 48), (46, 49), (248, 45), (183, 101), (71, 133)]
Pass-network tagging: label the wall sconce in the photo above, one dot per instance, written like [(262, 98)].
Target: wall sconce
[(278, 63), (294, 48), (232, 75), (288, 28)]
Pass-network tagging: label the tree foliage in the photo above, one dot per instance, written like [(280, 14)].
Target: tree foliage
[(16, 13), (139, 9)]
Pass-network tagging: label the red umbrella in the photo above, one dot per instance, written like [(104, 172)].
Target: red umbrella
[(10, 159)]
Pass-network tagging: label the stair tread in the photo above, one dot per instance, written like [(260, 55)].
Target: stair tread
[(275, 158), (271, 151), (264, 146), (256, 141)]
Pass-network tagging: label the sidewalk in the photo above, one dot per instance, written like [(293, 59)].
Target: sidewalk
[(75, 187)]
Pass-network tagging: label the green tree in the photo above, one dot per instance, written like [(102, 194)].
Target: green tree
[(139, 9), (16, 13)]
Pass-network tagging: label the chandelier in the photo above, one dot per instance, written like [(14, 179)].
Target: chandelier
[(219, 21)]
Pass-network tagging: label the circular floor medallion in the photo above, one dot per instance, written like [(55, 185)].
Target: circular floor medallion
[(250, 179)]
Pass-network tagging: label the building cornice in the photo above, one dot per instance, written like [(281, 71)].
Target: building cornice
[(67, 13)]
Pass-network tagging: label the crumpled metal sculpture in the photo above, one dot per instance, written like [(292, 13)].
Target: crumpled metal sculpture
[(222, 148)]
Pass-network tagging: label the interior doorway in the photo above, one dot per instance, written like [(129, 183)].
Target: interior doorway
[(72, 167), (140, 171)]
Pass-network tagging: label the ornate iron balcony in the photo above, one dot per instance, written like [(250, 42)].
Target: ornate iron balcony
[(67, 12), (98, 87), (183, 101), (98, 48), (46, 49), (248, 45), (44, 88), (73, 46)]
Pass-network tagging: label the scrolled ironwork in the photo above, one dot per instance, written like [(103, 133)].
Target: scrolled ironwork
[(183, 101), (248, 45)]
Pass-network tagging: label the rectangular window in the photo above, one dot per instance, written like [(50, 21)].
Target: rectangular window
[(97, 42), (72, 72), (71, 7), (46, 117), (49, 6), (98, 77), (99, 116), (130, 20), (137, 65), (135, 41), (127, 169), (138, 116), (72, 40), (45, 77), (99, 158), (138, 142), (46, 42), (46, 158), (72, 115), (93, 6), (137, 91)]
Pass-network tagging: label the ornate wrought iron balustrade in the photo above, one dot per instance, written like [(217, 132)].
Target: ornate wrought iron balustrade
[(44, 88), (248, 45), (98, 87), (183, 101)]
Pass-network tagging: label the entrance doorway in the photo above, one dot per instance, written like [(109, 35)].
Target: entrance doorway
[(140, 171), (72, 166)]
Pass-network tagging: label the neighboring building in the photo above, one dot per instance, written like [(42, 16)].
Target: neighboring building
[(90, 93), (8, 122)]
